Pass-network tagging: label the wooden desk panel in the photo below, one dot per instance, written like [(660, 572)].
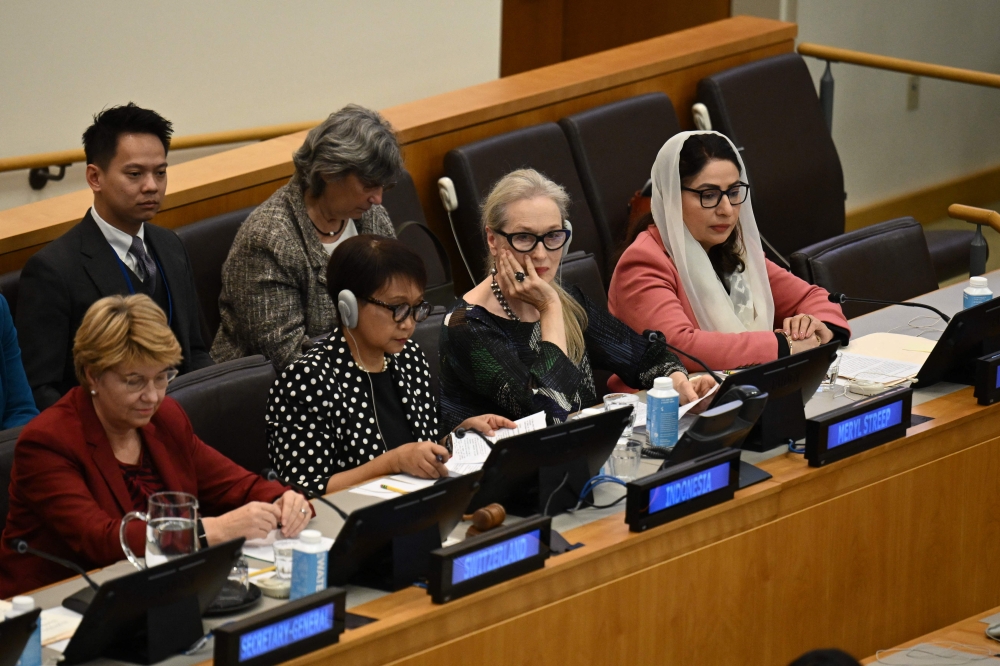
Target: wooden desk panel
[(969, 632), (430, 127), (861, 554)]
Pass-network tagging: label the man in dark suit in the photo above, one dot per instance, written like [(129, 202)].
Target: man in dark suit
[(111, 251)]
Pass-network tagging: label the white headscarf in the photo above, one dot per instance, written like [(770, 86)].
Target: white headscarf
[(750, 306)]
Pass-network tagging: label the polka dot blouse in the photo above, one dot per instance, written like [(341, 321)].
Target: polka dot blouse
[(321, 417)]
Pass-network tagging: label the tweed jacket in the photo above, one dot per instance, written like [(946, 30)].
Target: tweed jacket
[(273, 295), (321, 417)]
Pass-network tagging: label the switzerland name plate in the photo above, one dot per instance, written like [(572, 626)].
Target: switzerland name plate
[(682, 489), (488, 559), (283, 633), (858, 427)]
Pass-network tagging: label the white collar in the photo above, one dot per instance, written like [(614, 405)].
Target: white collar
[(120, 241)]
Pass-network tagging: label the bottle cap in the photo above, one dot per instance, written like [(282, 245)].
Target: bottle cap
[(22, 604), (663, 383), (310, 536), (978, 281)]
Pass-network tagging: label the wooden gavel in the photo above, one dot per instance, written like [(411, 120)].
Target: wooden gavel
[(485, 519)]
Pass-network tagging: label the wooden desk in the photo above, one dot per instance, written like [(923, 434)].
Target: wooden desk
[(967, 632)]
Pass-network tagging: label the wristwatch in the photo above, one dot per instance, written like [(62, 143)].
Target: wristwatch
[(202, 539)]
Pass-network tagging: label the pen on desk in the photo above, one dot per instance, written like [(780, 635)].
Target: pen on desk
[(393, 489), (262, 571)]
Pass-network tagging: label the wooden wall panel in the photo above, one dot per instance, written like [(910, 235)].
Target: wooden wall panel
[(531, 34)]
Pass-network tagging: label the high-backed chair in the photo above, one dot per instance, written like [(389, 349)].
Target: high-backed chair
[(428, 336), (227, 405), (8, 287), (207, 243), (7, 440), (770, 110), (402, 202), (440, 289), (580, 270), (886, 261), (476, 167), (614, 147)]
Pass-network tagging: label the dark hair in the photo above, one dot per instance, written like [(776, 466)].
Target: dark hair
[(364, 264), (828, 657), (698, 150), (100, 141)]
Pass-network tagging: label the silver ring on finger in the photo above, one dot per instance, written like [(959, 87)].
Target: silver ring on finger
[(519, 276), (304, 511)]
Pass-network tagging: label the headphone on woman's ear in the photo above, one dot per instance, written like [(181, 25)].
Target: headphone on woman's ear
[(347, 306), (565, 248)]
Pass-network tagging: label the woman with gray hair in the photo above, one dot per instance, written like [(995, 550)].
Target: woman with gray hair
[(274, 296)]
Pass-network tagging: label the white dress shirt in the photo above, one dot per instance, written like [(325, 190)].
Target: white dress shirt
[(120, 241)]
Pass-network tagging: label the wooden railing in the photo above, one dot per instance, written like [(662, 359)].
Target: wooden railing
[(429, 128), (60, 157), (832, 54), (975, 215)]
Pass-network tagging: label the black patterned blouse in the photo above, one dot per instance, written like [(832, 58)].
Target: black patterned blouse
[(491, 364), (321, 416)]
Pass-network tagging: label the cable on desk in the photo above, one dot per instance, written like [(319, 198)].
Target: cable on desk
[(593, 483)]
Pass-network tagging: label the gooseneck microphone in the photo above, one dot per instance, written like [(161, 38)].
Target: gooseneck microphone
[(656, 336), (270, 475), (21, 547), (840, 299)]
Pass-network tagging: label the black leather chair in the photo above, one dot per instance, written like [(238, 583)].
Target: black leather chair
[(8, 438), (8, 287), (770, 110), (580, 269), (402, 202), (476, 167), (614, 147), (440, 288), (227, 404), (887, 261), (428, 336), (207, 243)]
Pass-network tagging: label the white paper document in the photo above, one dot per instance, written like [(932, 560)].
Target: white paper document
[(470, 452), (398, 484), (886, 371), (263, 549), (528, 424), (684, 409), (58, 624)]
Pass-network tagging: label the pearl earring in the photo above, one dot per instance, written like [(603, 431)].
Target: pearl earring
[(93, 392)]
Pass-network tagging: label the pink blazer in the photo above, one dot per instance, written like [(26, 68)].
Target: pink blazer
[(646, 293)]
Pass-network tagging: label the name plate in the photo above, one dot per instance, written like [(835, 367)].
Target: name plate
[(283, 633), (682, 489), (864, 425), (988, 379), (490, 558)]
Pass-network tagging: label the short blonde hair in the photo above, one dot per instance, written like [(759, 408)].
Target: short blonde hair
[(123, 329), (528, 184)]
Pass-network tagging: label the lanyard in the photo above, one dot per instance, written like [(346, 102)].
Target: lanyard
[(131, 287)]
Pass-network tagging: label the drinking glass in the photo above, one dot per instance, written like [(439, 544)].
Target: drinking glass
[(171, 528), (283, 558), (620, 401), (829, 382), (625, 460), (234, 591)]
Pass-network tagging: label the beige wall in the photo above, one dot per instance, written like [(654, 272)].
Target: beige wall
[(885, 149), (224, 64)]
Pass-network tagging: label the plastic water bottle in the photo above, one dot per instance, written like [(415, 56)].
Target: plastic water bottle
[(662, 403), (977, 292), (32, 654), (309, 559)]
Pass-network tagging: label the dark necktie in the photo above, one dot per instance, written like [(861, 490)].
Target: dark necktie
[(145, 268)]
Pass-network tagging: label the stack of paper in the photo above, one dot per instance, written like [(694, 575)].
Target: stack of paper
[(883, 370), (470, 452), (387, 487)]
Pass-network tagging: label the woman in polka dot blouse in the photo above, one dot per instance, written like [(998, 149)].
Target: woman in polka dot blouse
[(358, 405)]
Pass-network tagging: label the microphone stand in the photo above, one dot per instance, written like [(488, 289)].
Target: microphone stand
[(840, 299), (271, 475), (21, 547), (656, 336)]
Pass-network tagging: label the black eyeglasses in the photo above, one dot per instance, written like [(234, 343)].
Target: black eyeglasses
[(525, 242), (712, 197), (400, 312)]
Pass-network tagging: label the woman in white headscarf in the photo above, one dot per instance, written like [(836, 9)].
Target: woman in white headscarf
[(695, 268)]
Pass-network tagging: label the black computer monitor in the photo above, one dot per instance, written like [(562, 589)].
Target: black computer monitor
[(387, 545), (147, 616), (523, 472), (970, 334), (789, 382), (14, 635)]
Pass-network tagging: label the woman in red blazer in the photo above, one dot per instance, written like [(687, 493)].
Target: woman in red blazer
[(695, 268), (101, 450)]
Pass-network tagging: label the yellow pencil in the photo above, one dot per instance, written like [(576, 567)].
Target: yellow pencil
[(262, 571), (395, 490)]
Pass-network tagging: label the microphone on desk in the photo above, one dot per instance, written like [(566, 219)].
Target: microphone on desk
[(840, 299), (270, 475), (655, 336), (21, 546)]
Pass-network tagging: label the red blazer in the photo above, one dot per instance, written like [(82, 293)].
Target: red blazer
[(646, 293), (68, 497)]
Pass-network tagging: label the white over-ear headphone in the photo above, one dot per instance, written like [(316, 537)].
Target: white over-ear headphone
[(347, 306), (565, 248)]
